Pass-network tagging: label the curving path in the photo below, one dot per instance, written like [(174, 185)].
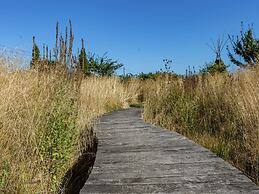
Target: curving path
[(136, 157)]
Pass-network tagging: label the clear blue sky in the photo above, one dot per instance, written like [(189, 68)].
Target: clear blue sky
[(139, 33)]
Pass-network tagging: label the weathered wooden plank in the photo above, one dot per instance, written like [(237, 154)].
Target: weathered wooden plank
[(136, 157)]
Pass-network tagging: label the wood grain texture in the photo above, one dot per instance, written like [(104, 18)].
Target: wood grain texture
[(136, 157)]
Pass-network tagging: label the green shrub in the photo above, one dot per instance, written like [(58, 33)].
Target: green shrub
[(56, 140)]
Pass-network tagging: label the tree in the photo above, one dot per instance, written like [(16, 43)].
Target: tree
[(103, 66), (218, 66), (83, 61), (246, 46), (35, 54)]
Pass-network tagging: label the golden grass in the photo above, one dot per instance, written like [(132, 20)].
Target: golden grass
[(103, 94), (43, 116), (23, 104)]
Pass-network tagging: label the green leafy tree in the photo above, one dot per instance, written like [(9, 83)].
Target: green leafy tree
[(35, 54), (245, 46), (218, 66), (103, 66)]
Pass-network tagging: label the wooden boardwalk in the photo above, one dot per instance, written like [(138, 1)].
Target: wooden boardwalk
[(136, 157)]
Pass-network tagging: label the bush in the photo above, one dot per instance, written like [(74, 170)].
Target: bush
[(245, 46), (56, 140)]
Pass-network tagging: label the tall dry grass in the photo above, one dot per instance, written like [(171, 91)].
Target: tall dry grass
[(103, 94), (31, 161), (24, 101), (220, 112), (43, 117)]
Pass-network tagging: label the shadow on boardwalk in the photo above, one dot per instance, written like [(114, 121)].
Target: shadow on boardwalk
[(136, 157)]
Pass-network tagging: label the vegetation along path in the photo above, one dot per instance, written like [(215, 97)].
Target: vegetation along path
[(136, 157)]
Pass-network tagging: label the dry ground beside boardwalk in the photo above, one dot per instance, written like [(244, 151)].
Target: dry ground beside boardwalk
[(136, 157)]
